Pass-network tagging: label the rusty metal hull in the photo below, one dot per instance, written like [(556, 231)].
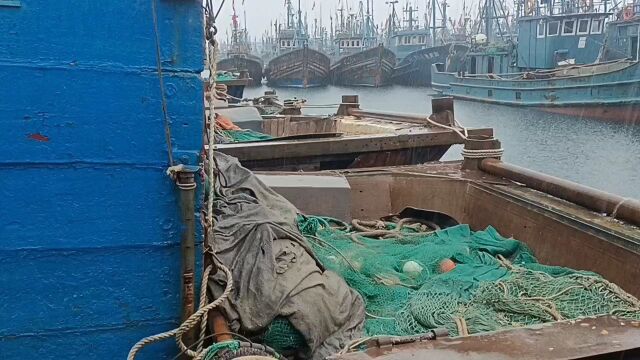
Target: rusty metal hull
[(372, 67), (244, 63), (559, 232), (601, 338), (308, 143), (300, 68)]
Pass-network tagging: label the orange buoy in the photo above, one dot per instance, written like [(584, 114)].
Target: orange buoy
[(447, 265)]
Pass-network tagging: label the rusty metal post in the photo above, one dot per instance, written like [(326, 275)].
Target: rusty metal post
[(348, 102), (602, 202), (476, 144), (185, 180), (442, 104)]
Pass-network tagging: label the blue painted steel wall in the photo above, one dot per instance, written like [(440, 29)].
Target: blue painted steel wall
[(89, 222), (538, 52)]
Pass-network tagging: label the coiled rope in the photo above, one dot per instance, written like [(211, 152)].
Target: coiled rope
[(467, 153)]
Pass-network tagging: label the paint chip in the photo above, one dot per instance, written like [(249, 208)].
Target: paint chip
[(604, 332), (38, 137)]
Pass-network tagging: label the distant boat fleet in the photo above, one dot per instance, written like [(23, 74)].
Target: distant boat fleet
[(354, 54), (570, 57)]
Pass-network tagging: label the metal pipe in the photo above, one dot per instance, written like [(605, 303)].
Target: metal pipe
[(613, 205), (185, 181)]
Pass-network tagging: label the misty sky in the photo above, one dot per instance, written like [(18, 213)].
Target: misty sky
[(260, 13)]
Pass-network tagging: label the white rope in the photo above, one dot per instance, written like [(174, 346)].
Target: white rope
[(481, 154), (192, 321), (455, 129), (614, 213)]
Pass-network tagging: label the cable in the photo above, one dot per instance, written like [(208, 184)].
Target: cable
[(163, 98)]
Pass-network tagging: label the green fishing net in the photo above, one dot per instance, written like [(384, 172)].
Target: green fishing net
[(496, 283), (246, 135)]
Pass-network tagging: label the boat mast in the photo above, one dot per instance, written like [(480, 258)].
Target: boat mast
[(434, 7), (392, 18)]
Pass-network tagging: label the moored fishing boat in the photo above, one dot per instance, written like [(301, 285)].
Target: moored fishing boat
[(415, 48), (296, 65), (372, 67), (581, 68), (359, 59), (303, 68), (238, 57)]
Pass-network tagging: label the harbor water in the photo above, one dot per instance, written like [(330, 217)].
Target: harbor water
[(599, 154)]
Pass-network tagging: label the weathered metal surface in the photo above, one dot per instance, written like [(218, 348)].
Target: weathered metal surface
[(602, 338), (415, 68), (243, 63), (345, 152), (371, 67), (596, 200), (302, 68)]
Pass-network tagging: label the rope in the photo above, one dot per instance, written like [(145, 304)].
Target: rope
[(165, 112), (188, 324), (481, 154), (614, 213)]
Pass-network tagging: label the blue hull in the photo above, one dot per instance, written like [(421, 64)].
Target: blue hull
[(607, 85), (90, 225)]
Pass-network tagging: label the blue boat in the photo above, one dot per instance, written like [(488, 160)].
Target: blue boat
[(568, 64), (90, 222), (416, 48)]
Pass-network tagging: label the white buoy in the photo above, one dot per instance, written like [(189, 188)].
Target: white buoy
[(412, 269)]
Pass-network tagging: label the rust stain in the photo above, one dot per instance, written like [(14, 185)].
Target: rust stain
[(38, 137)]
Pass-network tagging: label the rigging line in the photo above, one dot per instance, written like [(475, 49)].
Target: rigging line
[(165, 113)]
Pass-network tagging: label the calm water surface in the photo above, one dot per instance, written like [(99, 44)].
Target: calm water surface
[(594, 153)]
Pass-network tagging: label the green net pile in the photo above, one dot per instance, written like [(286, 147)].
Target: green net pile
[(238, 136), (497, 283), (244, 135)]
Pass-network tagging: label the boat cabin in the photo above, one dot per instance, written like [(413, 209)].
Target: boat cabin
[(352, 43), (289, 39), (407, 41), (622, 35), (545, 42), (489, 61)]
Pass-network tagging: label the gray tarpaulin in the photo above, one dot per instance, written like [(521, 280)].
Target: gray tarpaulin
[(275, 273)]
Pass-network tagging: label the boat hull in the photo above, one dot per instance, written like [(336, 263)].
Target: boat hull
[(415, 68), (372, 67), (244, 63), (608, 91), (300, 68)]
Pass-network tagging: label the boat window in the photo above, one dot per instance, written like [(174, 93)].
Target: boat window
[(596, 26), (568, 27), (342, 43), (583, 26), (541, 29), (553, 28), (353, 43), (413, 39)]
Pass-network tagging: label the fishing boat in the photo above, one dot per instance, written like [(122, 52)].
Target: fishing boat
[(567, 63), (296, 65), (604, 90), (359, 59), (353, 138), (108, 222), (238, 57), (415, 48)]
